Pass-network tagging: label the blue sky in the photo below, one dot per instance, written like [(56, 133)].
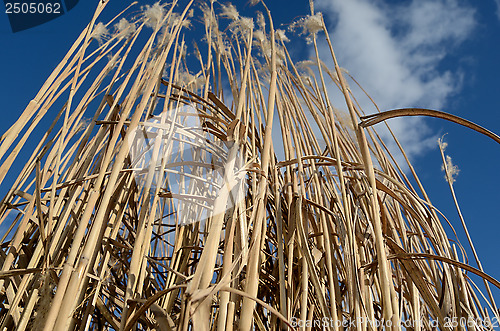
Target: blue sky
[(441, 54)]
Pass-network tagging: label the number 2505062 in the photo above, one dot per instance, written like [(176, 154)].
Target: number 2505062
[(32, 8)]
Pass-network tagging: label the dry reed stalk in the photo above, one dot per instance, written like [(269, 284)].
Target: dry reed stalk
[(171, 211)]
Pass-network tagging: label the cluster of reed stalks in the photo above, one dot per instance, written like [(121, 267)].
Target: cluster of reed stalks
[(155, 199)]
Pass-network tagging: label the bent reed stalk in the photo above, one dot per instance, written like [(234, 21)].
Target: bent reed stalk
[(214, 186)]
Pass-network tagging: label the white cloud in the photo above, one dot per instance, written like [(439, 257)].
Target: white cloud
[(497, 2), (395, 51)]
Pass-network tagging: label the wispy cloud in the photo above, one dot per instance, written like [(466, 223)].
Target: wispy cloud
[(498, 8), (395, 52)]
